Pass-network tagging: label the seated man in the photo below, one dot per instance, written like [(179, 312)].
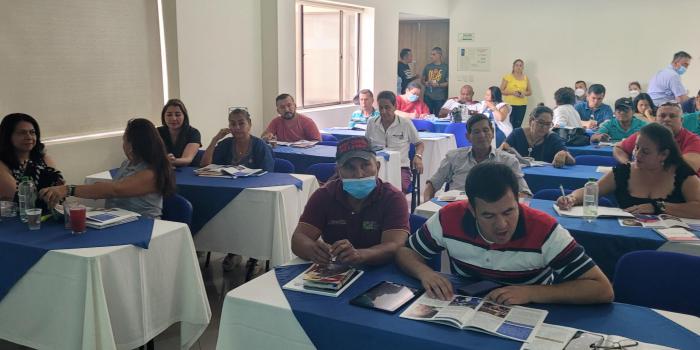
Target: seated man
[(464, 102), (290, 126), (366, 111), (691, 119), (492, 237), (668, 115), (459, 162), (593, 111), (395, 134), (623, 125), (360, 219)]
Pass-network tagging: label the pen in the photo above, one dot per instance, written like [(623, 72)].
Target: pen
[(563, 194)]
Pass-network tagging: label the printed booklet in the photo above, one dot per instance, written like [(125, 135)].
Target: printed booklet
[(552, 337)]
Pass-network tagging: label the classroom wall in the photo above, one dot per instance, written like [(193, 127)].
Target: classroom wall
[(599, 41)]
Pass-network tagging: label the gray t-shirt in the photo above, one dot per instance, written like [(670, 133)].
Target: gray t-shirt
[(438, 73), (149, 205)]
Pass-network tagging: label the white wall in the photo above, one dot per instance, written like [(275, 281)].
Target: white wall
[(561, 41)]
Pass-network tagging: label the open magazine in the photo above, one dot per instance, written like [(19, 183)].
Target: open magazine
[(298, 144), (577, 212), (672, 228), (551, 337), (465, 312), (214, 170)]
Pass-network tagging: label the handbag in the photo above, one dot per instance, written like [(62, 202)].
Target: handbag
[(573, 137)]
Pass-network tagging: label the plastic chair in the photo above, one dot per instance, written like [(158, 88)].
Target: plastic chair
[(460, 132), (423, 125), (416, 222), (660, 280), (328, 137), (177, 208), (322, 171), (328, 143), (551, 194), (283, 166), (591, 159), (197, 158)]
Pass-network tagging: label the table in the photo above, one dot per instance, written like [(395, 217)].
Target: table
[(436, 147), (258, 223), (248, 309), (109, 297), (571, 176), (440, 125), (302, 158), (591, 150)]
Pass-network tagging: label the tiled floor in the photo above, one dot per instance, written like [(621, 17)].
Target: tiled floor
[(217, 283)]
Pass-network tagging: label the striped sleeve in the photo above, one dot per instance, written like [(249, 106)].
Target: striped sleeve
[(428, 240), (566, 257)]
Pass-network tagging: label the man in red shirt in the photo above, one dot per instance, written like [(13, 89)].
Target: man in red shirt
[(360, 219), (290, 126), (669, 115)]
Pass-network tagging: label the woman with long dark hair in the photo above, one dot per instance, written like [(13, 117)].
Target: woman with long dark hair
[(658, 181), (140, 183), (23, 155), (498, 112), (181, 140), (644, 108)]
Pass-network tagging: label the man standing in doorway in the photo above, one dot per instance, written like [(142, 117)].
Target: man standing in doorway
[(406, 74), (435, 78)]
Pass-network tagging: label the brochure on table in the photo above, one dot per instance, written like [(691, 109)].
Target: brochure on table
[(297, 284), (215, 170), (465, 312), (672, 228), (577, 212), (103, 218), (552, 337), (298, 144)]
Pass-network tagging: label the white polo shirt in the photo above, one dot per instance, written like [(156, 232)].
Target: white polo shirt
[(397, 137)]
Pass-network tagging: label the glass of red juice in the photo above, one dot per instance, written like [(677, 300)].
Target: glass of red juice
[(77, 219)]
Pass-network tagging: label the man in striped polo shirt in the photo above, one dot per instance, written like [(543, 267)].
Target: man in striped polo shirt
[(494, 238)]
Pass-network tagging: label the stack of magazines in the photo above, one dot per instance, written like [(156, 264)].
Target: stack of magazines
[(213, 170), (329, 280), (103, 218)]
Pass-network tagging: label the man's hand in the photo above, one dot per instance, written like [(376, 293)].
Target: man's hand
[(418, 164), (511, 295), (321, 252), (436, 285), (559, 159), (345, 253)]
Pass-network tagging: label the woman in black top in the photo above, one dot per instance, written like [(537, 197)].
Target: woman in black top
[(657, 181), (22, 154), (181, 140)]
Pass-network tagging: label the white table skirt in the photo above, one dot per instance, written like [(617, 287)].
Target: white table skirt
[(109, 297), (390, 170), (256, 315), (434, 152)]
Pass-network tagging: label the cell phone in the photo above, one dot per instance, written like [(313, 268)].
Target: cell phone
[(479, 289), (386, 296)]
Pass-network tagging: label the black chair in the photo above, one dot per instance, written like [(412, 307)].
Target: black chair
[(414, 189), (283, 166), (322, 171)]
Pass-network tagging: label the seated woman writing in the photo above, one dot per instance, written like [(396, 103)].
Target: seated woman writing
[(658, 180), (23, 155), (181, 140), (538, 141), (141, 181), (241, 149)]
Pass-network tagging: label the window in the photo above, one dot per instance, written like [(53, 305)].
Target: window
[(329, 52)]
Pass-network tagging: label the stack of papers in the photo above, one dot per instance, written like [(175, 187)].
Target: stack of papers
[(214, 170), (300, 285), (577, 212), (103, 218), (452, 196), (298, 144)]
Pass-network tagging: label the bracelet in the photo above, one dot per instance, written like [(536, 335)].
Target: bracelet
[(419, 156)]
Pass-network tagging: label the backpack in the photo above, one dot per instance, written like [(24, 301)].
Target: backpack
[(573, 136)]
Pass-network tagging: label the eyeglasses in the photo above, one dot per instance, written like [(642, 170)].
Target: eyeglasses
[(619, 345), (544, 124)]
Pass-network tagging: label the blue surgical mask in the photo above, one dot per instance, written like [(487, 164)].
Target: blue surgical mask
[(413, 98), (360, 188), (681, 70)]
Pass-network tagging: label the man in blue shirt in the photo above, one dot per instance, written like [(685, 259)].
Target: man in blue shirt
[(593, 111), (666, 85)]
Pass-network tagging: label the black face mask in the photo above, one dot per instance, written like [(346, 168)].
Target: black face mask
[(288, 115)]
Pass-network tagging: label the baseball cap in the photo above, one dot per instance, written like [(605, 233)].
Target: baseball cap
[(354, 147), (624, 104)]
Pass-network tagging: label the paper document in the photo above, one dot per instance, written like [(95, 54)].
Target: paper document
[(577, 212), (603, 169)]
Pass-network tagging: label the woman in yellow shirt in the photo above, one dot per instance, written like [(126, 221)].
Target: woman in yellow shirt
[(516, 88)]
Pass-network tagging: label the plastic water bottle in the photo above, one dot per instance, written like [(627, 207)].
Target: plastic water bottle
[(27, 197), (590, 200)]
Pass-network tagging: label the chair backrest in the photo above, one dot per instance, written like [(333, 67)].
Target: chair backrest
[(322, 171), (328, 137), (283, 166), (592, 159), (177, 208), (423, 125), (460, 132), (415, 222), (197, 158), (551, 194), (660, 280), (328, 143)]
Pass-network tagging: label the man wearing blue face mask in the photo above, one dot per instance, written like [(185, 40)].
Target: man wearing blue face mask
[(666, 85), (356, 219)]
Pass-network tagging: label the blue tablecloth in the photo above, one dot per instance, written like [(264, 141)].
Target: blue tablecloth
[(604, 239), (209, 195), (571, 176), (21, 248), (590, 150), (440, 125), (332, 323), (345, 133)]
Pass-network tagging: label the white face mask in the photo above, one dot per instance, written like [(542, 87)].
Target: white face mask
[(634, 93), (580, 92)]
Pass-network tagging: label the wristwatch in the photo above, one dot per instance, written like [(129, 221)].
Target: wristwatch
[(659, 207), (71, 191)]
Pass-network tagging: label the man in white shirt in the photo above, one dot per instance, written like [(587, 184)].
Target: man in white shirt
[(666, 85), (395, 133), (464, 102)]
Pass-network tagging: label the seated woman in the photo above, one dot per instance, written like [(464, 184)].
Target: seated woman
[(565, 115), (181, 140), (141, 181), (411, 105), (498, 112), (623, 125), (241, 149), (538, 142), (657, 181), (22, 154), (644, 108)]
